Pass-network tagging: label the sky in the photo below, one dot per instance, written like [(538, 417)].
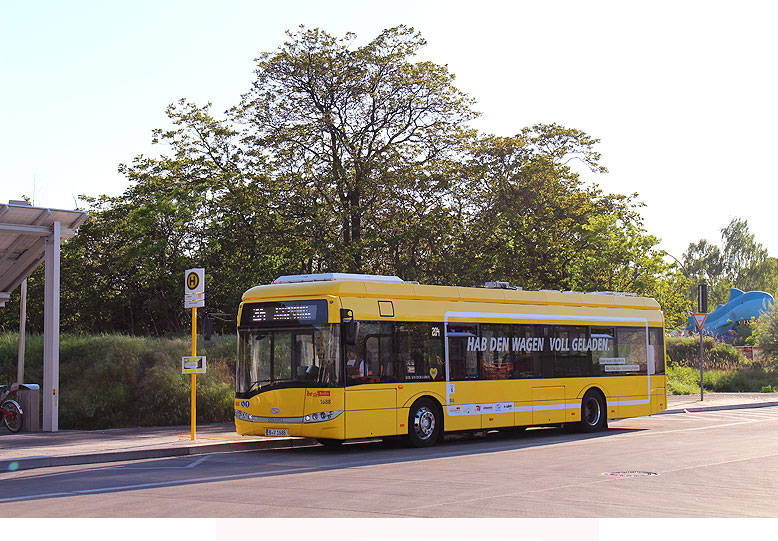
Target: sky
[(682, 95)]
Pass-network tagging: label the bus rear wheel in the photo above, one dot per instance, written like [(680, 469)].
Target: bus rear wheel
[(593, 412), (424, 423)]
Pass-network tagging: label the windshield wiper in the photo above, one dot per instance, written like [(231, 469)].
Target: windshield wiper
[(256, 385)]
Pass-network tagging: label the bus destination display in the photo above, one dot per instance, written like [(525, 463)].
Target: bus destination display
[(280, 313)]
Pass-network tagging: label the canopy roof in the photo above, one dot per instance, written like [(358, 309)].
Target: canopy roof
[(23, 233)]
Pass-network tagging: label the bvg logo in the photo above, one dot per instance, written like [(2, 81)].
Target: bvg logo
[(275, 410)]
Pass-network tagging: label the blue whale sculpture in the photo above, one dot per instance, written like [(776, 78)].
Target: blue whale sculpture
[(739, 307)]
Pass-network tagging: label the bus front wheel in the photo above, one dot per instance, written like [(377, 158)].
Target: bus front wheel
[(424, 423), (593, 412)]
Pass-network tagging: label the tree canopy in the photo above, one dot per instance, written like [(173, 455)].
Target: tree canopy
[(349, 158), (739, 262)]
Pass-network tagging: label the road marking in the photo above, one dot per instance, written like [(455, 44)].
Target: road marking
[(140, 465), (726, 415), (197, 462), (722, 462), (155, 485)]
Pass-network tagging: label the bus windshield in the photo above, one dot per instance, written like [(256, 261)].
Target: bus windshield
[(305, 356)]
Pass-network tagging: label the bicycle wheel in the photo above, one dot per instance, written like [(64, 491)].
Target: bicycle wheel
[(12, 415)]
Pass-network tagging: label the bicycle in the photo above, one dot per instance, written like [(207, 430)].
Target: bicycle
[(10, 409)]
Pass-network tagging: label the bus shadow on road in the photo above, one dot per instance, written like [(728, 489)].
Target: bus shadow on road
[(462, 443)]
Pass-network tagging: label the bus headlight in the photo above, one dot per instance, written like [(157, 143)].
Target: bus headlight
[(320, 416)]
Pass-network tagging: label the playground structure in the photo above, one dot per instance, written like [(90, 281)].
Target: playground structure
[(740, 307)]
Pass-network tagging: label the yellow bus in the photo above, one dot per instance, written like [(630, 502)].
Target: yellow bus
[(346, 357)]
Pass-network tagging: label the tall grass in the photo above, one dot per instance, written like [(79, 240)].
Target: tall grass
[(749, 379), (111, 380), (682, 380)]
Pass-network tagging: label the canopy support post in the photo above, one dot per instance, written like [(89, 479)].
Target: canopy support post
[(51, 332)]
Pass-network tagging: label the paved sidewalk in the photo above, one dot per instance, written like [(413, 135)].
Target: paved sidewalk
[(719, 401), (67, 447)]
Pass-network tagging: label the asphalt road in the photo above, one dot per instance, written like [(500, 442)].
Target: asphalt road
[(705, 464)]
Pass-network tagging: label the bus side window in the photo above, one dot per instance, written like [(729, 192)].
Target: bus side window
[(526, 355), (631, 346), (497, 360), (388, 368), (402, 345), (371, 367), (419, 351), (372, 359), (462, 354), (545, 365), (656, 339), (569, 360), (434, 352), (605, 349)]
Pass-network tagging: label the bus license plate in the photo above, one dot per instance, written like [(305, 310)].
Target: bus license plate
[(276, 432)]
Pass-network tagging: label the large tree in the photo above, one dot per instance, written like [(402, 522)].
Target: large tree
[(356, 127), (531, 219), (739, 262)]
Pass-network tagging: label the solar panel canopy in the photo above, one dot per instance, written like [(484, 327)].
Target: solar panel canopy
[(24, 230)]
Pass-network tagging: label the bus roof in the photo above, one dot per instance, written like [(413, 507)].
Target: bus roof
[(381, 287)]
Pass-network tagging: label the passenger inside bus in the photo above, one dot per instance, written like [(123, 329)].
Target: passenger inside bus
[(354, 368)]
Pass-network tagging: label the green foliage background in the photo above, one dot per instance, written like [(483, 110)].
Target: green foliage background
[(344, 158), (347, 158), (716, 355)]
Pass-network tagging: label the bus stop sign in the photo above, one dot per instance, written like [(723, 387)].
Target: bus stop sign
[(194, 281), (194, 288)]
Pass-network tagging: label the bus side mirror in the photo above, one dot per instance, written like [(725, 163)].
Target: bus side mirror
[(352, 331), (351, 326)]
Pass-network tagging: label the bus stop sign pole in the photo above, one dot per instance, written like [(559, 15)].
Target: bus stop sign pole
[(194, 376), (194, 298)]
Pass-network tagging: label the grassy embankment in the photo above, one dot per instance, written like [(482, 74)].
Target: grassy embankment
[(110, 381), (725, 370)]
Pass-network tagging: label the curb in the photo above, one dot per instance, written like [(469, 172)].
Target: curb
[(693, 409), (29, 463)]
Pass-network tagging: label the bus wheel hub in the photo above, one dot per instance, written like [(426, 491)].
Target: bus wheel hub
[(424, 423)]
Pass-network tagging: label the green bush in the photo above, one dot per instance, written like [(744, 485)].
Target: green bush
[(766, 334), (110, 381), (716, 355)]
